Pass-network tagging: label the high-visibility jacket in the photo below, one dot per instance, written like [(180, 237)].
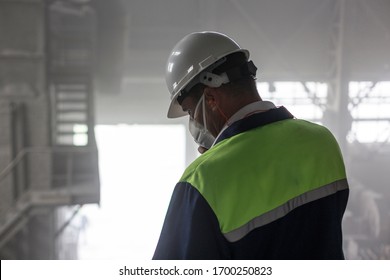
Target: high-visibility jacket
[(272, 187)]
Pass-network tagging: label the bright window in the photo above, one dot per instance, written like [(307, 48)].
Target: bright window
[(305, 100), (139, 167), (370, 109)]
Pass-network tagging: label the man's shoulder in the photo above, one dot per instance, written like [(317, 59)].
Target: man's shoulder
[(198, 165)]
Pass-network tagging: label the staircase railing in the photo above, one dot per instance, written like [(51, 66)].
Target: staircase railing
[(75, 180)]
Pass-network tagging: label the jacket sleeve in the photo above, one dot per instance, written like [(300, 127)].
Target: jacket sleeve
[(191, 229)]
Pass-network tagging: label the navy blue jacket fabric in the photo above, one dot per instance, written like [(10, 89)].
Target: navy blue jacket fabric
[(311, 231)]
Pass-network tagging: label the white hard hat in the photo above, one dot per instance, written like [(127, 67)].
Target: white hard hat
[(191, 55)]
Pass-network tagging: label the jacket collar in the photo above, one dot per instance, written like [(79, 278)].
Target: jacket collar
[(254, 121)]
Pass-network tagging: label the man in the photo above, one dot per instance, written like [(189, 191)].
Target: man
[(267, 186)]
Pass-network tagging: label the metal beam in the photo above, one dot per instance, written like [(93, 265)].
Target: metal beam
[(337, 116)]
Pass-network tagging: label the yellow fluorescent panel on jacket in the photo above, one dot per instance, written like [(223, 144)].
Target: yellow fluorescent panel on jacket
[(293, 162)]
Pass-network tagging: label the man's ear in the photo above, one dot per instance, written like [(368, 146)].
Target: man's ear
[(210, 95)]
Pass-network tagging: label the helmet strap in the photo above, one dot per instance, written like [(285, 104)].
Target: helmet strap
[(247, 69)]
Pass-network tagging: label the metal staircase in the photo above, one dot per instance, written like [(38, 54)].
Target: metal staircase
[(70, 111), (71, 175), (71, 48)]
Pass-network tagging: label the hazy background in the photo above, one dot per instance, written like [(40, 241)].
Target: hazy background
[(327, 61)]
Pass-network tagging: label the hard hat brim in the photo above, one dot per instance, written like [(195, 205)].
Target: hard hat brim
[(175, 110)]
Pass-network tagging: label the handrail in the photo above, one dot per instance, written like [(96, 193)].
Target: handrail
[(12, 164), (17, 213), (39, 197), (20, 156)]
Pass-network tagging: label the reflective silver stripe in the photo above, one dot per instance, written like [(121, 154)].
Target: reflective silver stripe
[(284, 209)]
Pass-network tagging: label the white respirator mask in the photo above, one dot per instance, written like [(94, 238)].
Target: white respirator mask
[(198, 131)]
